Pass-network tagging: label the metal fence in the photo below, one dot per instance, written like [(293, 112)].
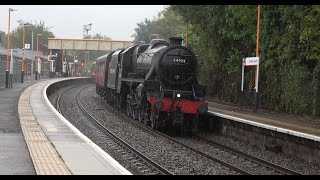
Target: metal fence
[(15, 74)]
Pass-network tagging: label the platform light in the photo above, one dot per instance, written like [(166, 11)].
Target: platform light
[(23, 46), (37, 55), (8, 50)]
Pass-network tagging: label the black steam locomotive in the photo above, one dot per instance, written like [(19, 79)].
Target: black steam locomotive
[(154, 83)]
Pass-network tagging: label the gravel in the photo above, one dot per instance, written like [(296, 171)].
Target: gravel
[(277, 158), (235, 160)]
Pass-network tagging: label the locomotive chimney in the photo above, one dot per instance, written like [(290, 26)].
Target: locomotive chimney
[(175, 41)]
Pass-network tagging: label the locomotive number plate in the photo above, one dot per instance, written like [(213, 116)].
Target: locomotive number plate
[(179, 60)]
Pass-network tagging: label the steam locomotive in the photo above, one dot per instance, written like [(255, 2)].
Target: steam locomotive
[(154, 83)]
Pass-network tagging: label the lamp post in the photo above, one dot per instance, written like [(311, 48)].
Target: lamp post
[(8, 50), (31, 68), (62, 57), (257, 68), (23, 48), (74, 64), (37, 55), (50, 61)]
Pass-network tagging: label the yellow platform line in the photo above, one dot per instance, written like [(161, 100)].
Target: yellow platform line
[(45, 158)]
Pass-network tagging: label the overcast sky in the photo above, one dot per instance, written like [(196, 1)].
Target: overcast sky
[(115, 21)]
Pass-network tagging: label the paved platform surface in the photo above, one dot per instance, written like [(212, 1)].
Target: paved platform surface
[(45, 158), (14, 155)]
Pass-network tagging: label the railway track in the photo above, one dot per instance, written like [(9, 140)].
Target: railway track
[(144, 164), (246, 156), (58, 107)]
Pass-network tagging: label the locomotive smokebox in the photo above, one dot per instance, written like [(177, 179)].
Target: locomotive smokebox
[(175, 41)]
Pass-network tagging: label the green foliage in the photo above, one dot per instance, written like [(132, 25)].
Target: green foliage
[(167, 24), (296, 90), (143, 32), (289, 53), (38, 28), (316, 89), (2, 36)]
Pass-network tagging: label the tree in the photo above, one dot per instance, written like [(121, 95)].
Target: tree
[(143, 32), (2, 36), (289, 53), (167, 24), (37, 28), (220, 43)]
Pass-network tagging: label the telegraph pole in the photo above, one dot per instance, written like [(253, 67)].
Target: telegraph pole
[(23, 47)]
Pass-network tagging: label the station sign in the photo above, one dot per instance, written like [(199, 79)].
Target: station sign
[(250, 61), (27, 46)]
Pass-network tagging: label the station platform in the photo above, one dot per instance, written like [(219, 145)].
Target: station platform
[(36, 139), (289, 125)]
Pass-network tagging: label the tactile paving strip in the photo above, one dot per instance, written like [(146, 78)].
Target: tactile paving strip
[(44, 156)]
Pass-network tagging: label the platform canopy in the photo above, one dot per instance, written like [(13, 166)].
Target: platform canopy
[(87, 44)]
